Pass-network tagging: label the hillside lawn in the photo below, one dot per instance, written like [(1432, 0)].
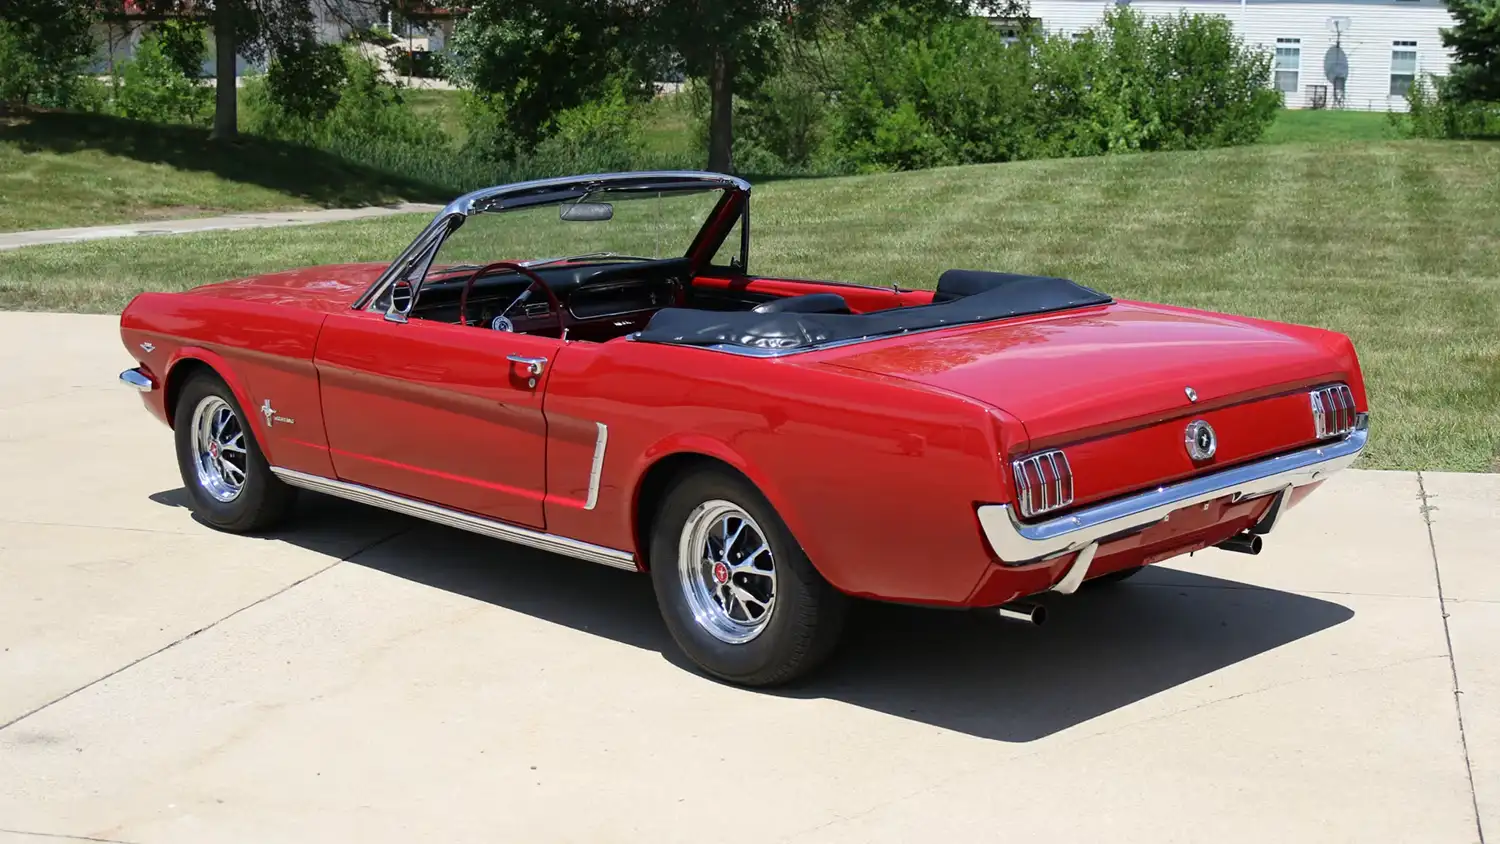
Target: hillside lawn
[(61, 170), (1396, 244)]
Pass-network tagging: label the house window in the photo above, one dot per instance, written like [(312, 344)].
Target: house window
[(1403, 67), (1288, 64)]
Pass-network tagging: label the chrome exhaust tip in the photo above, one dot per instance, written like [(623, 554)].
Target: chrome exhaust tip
[(1244, 543), (1033, 614)]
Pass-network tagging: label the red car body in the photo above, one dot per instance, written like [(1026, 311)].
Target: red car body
[(890, 460)]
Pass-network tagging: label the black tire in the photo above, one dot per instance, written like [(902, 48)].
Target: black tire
[(806, 616), (1114, 577), (262, 501)]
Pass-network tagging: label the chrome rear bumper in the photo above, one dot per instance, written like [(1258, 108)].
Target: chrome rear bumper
[(1017, 543)]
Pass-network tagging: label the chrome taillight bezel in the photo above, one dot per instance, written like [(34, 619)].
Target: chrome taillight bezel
[(1044, 482), (1333, 411)]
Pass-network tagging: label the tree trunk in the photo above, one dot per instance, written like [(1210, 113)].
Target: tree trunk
[(226, 97), (721, 113)]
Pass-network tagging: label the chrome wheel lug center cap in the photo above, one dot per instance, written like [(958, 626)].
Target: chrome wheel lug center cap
[(721, 573)]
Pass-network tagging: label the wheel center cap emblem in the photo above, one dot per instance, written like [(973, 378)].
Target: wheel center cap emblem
[(213, 449), (1200, 439), (721, 573)]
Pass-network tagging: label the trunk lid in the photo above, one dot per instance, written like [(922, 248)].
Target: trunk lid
[(1110, 385)]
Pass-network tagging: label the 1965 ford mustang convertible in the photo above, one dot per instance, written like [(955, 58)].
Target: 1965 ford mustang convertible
[(766, 448)]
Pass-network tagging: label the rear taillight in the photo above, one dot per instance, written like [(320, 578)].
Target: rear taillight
[(1044, 482), (1333, 411)]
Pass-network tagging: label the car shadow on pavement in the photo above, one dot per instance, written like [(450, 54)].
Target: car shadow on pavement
[(1101, 649)]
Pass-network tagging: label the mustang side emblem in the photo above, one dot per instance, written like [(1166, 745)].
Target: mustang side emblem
[(270, 413), (1200, 440), (1192, 394)]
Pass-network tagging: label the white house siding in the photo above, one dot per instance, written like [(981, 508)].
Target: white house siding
[(1374, 27)]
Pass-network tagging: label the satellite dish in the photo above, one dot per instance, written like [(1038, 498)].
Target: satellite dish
[(1336, 64)]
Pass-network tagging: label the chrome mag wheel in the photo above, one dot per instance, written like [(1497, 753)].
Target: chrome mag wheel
[(218, 447), (727, 572)]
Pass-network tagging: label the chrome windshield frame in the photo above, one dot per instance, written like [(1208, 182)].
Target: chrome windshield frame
[(424, 247)]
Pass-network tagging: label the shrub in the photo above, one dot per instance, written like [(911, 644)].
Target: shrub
[(1437, 110), (326, 95), (44, 46), (900, 92), (306, 82), (185, 43), (153, 88)]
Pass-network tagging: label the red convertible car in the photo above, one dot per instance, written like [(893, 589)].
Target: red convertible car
[(766, 448)]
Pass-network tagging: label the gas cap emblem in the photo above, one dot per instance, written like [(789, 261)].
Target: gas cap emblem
[(1192, 394), (1200, 439)]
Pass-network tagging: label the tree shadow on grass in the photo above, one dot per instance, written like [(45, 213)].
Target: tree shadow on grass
[(1103, 649), (298, 171)]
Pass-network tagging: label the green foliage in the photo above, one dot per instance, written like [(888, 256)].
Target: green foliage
[(44, 45), (901, 92), (337, 97), (185, 42), (306, 81), (532, 59), (1437, 108), (1475, 41), (153, 88)]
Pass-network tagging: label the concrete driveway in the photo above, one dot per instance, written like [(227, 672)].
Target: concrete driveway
[(362, 677)]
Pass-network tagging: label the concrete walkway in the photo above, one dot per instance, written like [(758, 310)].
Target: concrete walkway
[(363, 677), (268, 219)]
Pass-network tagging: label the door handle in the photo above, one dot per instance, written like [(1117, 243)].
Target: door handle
[(533, 366)]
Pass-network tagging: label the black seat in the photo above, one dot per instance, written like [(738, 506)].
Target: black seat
[(809, 303)]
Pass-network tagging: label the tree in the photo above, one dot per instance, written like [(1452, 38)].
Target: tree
[(44, 45), (255, 29), (539, 57), (1475, 42)]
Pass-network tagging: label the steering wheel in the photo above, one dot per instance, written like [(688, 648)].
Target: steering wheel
[(536, 281)]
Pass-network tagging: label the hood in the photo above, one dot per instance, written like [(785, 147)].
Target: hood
[(1068, 377), (325, 288)]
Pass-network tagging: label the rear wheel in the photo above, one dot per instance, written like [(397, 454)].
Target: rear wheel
[(737, 593), (227, 478)]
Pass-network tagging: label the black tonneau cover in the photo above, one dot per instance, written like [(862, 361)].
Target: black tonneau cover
[(963, 297)]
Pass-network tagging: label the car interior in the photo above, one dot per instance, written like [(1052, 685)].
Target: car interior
[(658, 301)]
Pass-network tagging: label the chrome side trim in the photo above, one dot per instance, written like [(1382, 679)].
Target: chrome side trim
[(463, 521), (1017, 543), (137, 379), (597, 469)]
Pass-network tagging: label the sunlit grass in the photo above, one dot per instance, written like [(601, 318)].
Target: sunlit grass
[(1396, 244)]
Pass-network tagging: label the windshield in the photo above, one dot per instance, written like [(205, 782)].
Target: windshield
[(606, 225)]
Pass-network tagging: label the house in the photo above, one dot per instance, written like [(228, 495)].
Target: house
[(1356, 54)]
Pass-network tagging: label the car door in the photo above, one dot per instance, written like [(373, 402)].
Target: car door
[(443, 413)]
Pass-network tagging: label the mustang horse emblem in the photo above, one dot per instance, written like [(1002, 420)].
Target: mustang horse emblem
[(1201, 440)]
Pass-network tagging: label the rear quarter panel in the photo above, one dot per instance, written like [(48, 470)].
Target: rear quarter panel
[(263, 350), (877, 479)]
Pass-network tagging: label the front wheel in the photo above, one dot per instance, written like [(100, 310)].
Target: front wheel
[(227, 478), (737, 593)]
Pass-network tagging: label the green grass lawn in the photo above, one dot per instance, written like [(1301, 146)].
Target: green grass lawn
[(1302, 126), (61, 170), (1395, 243)]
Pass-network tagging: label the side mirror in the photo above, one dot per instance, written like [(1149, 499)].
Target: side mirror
[(401, 301), (586, 212)]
